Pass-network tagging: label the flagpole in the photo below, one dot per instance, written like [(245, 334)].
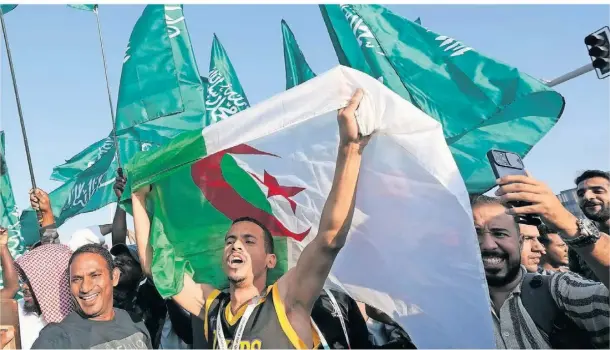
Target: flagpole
[(114, 137), (19, 111)]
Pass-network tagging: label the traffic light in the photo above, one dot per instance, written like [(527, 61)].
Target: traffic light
[(598, 44)]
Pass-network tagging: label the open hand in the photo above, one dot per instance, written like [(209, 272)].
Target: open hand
[(348, 127)]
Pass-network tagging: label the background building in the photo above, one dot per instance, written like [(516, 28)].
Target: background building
[(570, 201)]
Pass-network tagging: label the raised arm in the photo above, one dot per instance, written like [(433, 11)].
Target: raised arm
[(302, 285), (40, 201), (547, 205), (9, 273), (192, 296), (119, 223)]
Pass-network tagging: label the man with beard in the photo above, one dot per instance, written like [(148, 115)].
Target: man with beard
[(556, 257), (44, 282), (252, 314), (593, 191), (95, 323), (594, 201), (574, 311), (532, 250)]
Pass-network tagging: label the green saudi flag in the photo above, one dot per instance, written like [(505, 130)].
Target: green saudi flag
[(9, 214), (7, 8), (481, 103), (297, 69), (84, 7), (160, 96), (83, 160), (224, 95)]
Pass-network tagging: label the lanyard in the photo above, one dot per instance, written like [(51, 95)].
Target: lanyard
[(338, 314), (220, 335), (320, 335)]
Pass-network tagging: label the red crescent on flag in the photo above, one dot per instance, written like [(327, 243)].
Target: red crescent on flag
[(208, 177)]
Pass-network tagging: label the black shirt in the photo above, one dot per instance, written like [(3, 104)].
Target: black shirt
[(324, 315), (75, 332)]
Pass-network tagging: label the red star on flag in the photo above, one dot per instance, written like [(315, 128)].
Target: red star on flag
[(275, 189)]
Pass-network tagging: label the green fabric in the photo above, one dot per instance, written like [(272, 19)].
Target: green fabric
[(160, 96), (9, 218), (7, 8), (82, 160), (481, 103), (84, 7), (187, 231), (224, 95), (297, 69), (160, 84)]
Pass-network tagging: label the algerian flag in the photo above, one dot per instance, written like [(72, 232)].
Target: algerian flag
[(7, 8), (9, 214), (84, 7), (481, 103), (224, 95), (160, 96), (297, 69), (414, 259)]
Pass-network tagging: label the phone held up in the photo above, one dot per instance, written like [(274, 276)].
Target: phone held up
[(507, 163)]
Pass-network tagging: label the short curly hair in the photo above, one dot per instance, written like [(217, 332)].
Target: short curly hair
[(94, 248), (589, 174)]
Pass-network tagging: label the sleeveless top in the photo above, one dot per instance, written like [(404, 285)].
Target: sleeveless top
[(267, 327)]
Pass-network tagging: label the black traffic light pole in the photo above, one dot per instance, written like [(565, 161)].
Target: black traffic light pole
[(571, 75), (598, 46)]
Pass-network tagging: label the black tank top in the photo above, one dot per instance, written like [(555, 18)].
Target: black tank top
[(267, 328)]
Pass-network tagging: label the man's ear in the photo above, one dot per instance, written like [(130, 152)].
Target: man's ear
[(116, 274), (271, 261)]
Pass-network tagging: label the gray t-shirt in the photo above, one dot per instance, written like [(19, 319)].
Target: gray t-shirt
[(75, 332)]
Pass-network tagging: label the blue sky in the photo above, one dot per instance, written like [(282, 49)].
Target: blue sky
[(63, 93)]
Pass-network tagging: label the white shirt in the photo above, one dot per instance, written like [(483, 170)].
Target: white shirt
[(30, 325)]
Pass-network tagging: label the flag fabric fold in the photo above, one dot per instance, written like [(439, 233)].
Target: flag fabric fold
[(297, 69), (406, 255), (224, 95), (481, 102), (84, 7), (9, 213), (7, 8), (160, 96)]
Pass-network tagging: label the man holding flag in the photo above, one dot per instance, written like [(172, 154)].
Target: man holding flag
[(282, 311)]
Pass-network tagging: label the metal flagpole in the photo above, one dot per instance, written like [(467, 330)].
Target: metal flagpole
[(20, 112), (571, 75), (25, 137), (99, 32)]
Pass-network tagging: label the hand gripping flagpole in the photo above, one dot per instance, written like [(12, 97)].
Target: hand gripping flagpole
[(114, 137), (10, 64)]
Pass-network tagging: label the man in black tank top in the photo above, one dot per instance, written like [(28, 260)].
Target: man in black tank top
[(251, 314)]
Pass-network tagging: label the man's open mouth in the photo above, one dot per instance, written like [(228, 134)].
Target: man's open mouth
[(89, 298), (235, 260)]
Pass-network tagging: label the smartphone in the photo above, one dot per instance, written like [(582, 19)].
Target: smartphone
[(508, 163)]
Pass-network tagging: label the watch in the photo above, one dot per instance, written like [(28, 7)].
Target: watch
[(588, 234)]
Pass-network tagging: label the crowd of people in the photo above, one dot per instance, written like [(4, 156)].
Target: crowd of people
[(548, 284)]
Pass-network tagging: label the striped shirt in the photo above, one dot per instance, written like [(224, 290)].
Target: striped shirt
[(585, 302)]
